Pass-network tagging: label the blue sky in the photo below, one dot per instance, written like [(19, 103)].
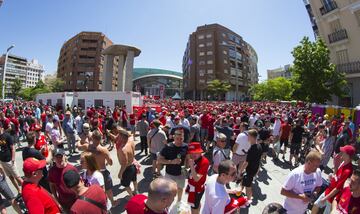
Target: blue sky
[(160, 28)]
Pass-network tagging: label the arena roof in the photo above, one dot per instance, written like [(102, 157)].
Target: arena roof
[(146, 72)]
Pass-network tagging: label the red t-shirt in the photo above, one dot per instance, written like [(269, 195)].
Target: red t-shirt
[(115, 115), (347, 204), (66, 196), (201, 167), (6, 123), (16, 123), (38, 200), (343, 173), (286, 129), (205, 121), (43, 117), (40, 143), (96, 193), (136, 205), (132, 119), (211, 126)]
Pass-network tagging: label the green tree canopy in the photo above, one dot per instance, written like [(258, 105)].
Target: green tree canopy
[(16, 86), (218, 88), (30, 93), (314, 77), (57, 85), (273, 89)]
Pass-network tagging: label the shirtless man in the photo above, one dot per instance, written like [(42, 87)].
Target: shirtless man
[(102, 156), (85, 136), (125, 154)]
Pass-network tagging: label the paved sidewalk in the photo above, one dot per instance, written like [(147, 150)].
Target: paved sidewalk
[(266, 189)]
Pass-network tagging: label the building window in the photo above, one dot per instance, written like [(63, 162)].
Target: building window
[(210, 71), (201, 37), (201, 72), (224, 35), (201, 45), (201, 53), (208, 44), (357, 15), (202, 62), (209, 62), (208, 36), (209, 53), (342, 57), (202, 81), (224, 52), (225, 61), (335, 25)]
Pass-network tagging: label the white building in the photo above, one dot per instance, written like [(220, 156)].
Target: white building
[(35, 72), (29, 72), (279, 72)]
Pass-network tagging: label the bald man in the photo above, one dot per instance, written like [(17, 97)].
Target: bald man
[(162, 192)]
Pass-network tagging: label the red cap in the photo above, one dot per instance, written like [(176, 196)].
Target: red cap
[(32, 164), (350, 150), (194, 147), (234, 204)]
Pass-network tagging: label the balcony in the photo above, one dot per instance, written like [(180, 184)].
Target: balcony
[(349, 68), (328, 7), (337, 36)]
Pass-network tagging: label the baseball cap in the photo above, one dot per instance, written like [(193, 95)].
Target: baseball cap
[(59, 151), (32, 164), (194, 147), (71, 178), (348, 149)]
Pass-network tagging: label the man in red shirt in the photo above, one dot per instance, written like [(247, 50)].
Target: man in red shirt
[(36, 198), (63, 195), (199, 166), (336, 181), (348, 202), (162, 192), (90, 199), (284, 135)]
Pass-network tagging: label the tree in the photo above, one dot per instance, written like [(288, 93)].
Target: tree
[(314, 77), (273, 89), (16, 86), (30, 93), (57, 85), (218, 88)]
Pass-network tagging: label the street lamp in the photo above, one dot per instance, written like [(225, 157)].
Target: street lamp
[(236, 69), (87, 77), (4, 71)]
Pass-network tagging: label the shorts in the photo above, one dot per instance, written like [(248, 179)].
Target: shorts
[(153, 156), (179, 179), (295, 148), (132, 128), (284, 142), (238, 158), (6, 192), (264, 147), (107, 179), (197, 199), (327, 204), (10, 169), (247, 180), (129, 175)]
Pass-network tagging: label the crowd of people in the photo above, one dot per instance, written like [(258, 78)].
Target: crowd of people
[(197, 148)]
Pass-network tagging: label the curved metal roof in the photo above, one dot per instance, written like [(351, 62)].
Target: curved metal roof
[(120, 50), (158, 75), (152, 72)]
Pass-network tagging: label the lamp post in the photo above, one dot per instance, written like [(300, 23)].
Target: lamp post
[(236, 70), (4, 71), (87, 77)]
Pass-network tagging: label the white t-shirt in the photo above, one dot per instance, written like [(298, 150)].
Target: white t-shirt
[(48, 127), (216, 197), (276, 127), (95, 178), (218, 156), (242, 141), (185, 122), (252, 120), (55, 135), (299, 183)]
